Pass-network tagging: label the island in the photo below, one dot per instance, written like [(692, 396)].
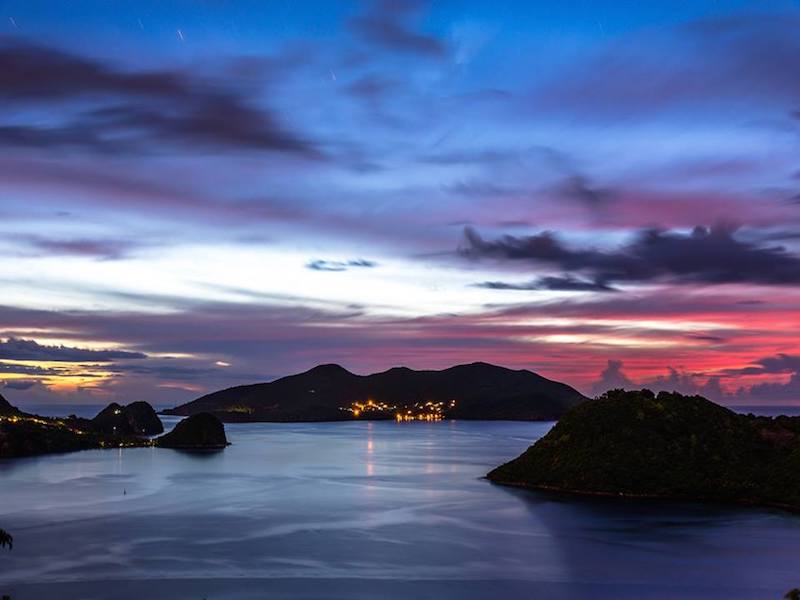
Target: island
[(202, 431), (132, 426), (24, 434), (332, 393), (643, 445)]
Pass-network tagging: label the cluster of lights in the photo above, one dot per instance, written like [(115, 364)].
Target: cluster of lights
[(63, 425), (370, 406), (58, 423), (419, 411), (425, 411), (239, 408), (17, 419), (128, 444)]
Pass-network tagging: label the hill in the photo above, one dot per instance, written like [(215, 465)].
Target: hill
[(137, 418), (332, 393), (666, 446), (202, 431), (6, 409), (23, 434)]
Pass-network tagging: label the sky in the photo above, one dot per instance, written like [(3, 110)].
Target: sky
[(201, 194)]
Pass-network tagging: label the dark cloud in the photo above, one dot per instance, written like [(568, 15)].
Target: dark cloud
[(563, 284), (19, 349), (76, 136), (133, 111), (706, 255), (579, 188), (19, 384), (371, 87), (105, 249), (387, 26), (33, 73), (702, 337), (208, 120), (337, 265), (775, 391), (18, 369), (780, 363), (187, 372)]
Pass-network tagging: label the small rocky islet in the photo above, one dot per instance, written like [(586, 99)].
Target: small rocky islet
[(202, 431), (639, 444)]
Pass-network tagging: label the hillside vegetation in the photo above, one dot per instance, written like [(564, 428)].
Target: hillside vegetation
[(668, 445)]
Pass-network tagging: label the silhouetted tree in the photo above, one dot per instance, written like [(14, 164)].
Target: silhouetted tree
[(793, 594), (6, 539)]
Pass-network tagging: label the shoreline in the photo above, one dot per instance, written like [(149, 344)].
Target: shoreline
[(791, 508)]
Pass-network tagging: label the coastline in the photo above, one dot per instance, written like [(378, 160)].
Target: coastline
[(791, 508)]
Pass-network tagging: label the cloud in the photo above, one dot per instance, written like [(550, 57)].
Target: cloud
[(20, 349), (770, 365), (578, 187), (386, 27), (371, 87), (706, 255), (612, 378), (562, 284), (687, 383), (105, 249), (19, 384), (34, 73), (733, 60), (129, 111), (336, 265), (482, 189), (186, 372), (18, 369), (781, 363), (775, 391), (771, 391)]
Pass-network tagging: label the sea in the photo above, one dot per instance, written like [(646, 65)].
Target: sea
[(364, 510)]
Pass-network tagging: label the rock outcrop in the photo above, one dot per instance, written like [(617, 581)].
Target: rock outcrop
[(202, 431), (137, 418)]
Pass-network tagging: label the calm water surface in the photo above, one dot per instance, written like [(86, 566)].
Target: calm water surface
[(363, 510)]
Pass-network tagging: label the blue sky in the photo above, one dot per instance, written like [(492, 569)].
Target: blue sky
[(604, 192)]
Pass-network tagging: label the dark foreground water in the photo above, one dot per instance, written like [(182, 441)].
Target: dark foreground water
[(363, 510)]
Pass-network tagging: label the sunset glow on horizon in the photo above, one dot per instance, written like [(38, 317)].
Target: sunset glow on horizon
[(202, 195)]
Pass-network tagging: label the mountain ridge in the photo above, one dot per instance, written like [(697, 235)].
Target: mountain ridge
[(329, 392)]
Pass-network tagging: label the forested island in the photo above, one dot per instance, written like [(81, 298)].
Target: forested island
[(332, 393), (639, 444)]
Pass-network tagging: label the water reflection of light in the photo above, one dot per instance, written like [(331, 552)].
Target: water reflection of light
[(370, 451)]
